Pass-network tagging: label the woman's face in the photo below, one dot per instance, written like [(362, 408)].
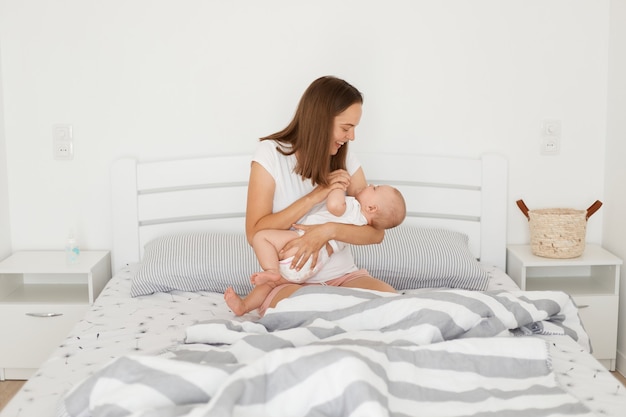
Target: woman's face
[(344, 125)]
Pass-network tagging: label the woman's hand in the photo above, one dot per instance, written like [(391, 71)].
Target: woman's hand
[(309, 245), (261, 188), (337, 180)]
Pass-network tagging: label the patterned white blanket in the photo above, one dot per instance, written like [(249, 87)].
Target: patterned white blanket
[(341, 352)]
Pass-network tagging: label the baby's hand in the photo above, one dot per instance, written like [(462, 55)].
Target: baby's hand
[(339, 179)]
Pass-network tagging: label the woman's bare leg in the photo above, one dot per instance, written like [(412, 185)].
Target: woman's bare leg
[(366, 282), (369, 283), (284, 293)]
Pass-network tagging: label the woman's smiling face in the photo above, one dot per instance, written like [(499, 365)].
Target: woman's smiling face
[(344, 125)]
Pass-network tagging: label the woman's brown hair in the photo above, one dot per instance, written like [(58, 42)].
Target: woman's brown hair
[(311, 129)]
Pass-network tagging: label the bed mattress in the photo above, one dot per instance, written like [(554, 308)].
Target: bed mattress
[(118, 325)]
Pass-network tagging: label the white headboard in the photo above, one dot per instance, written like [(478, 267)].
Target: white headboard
[(155, 198)]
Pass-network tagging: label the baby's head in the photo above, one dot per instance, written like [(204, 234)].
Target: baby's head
[(382, 205)]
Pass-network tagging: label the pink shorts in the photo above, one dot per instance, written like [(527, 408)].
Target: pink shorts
[(337, 282)]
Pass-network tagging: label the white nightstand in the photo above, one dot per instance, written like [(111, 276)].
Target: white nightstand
[(592, 280), (41, 298)]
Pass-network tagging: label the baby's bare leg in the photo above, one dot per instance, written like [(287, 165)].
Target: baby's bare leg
[(252, 301), (268, 277), (234, 302), (268, 243)]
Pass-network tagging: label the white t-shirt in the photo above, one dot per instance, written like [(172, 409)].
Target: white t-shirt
[(290, 187), (319, 214)]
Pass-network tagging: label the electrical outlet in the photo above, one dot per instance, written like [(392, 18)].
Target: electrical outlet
[(551, 137), (62, 142), (63, 151), (550, 145)]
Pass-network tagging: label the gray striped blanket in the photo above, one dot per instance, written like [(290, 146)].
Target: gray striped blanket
[(330, 351)]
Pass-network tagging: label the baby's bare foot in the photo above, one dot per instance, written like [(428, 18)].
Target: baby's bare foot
[(235, 302), (264, 277)]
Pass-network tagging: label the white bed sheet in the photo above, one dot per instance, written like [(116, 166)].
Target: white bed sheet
[(118, 325)]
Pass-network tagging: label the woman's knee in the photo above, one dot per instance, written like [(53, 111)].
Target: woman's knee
[(370, 283), (284, 292)]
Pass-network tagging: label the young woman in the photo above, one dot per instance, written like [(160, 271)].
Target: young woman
[(295, 169)]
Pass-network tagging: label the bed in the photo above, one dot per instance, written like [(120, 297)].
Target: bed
[(460, 340)]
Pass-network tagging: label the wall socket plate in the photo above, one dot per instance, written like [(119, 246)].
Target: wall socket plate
[(62, 142), (551, 137), (550, 145)]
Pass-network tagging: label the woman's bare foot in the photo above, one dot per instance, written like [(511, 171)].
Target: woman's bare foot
[(264, 277), (235, 302)]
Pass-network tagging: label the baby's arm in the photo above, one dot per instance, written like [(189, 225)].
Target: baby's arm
[(336, 202)]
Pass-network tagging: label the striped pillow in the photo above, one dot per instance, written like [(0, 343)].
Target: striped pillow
[(414, 257), (408, 258), (196, 262)]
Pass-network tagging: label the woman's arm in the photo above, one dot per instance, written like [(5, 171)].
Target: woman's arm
[(317, 235), (259, 209)]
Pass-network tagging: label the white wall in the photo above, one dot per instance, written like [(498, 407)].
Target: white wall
[(5, 224), (163, 78), (614, 236), (157, 78)]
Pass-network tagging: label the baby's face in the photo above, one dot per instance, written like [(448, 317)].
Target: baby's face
[(374, 195)]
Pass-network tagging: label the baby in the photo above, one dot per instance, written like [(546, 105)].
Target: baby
[(382, 207)]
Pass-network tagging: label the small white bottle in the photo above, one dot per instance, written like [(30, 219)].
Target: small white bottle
[(72, 251)]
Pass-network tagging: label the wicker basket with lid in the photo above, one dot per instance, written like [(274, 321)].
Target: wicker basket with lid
[(558, 232)]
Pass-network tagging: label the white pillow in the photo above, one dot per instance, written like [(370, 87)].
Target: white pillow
[(415, 257)]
